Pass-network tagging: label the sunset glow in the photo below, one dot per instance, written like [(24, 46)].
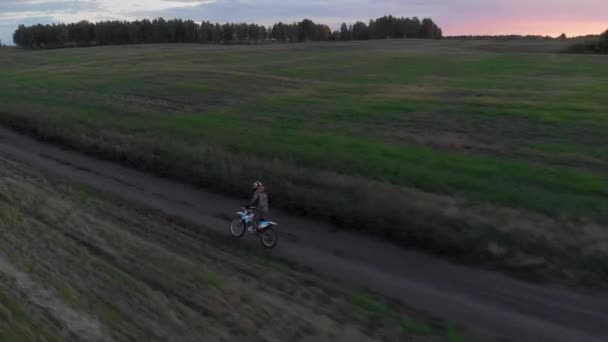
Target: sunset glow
[(515, 26)]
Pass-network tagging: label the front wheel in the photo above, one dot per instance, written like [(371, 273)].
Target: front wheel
[(269, 238), (237, 228)]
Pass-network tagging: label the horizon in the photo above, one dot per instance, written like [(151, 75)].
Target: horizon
[(468, 17)]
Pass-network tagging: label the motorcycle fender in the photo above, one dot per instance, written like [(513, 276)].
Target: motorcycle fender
[(264, 225)]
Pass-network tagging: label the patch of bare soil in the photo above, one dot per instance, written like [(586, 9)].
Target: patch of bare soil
[(43, 298)]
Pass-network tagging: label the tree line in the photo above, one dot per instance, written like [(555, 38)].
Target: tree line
[(159, 30), (505, 37), (597, 45), (390, 27)]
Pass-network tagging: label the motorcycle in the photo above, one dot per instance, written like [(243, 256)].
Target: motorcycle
[(265, 230)]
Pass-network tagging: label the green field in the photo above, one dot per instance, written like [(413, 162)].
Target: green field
[(485, 150), (78, 266)]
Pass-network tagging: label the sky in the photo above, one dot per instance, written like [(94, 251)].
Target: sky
[(456, 17)]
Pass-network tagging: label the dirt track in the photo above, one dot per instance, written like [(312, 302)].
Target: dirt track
[(489, 303)]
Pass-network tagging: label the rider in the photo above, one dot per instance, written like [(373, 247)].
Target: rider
[(260, 202)]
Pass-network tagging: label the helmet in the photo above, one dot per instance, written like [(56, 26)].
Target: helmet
[(257, 184)]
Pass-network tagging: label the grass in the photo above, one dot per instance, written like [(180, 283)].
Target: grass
[(372, 304), (447, 145), (16, 326), (414, 327), (363, 300), (210, 279), (100, 269), (452, 335)]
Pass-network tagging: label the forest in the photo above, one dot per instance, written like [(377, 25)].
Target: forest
[(159, 30)]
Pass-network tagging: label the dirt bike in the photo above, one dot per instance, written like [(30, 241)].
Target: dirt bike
[(265, 230)]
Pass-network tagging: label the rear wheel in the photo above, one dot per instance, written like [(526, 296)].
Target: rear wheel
[(269, 238), (237, 228)]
